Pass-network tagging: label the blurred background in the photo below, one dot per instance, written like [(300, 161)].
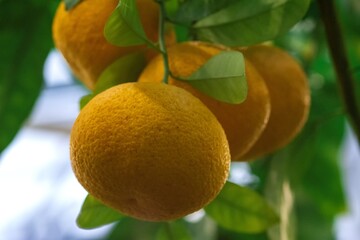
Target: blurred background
[(40, 197)]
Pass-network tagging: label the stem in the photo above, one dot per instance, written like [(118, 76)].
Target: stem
[(341, 64), (162, 39)]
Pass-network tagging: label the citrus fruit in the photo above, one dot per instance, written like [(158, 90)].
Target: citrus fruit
[(243, 123), (150, 150), (79, 35), (289, 96)]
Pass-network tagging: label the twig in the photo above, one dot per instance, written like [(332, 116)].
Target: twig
[(162, 39), (341, 64)]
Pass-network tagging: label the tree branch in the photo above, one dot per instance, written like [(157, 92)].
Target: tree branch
[(341, 64)]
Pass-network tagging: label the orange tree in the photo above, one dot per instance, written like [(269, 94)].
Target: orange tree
[(298, 192)]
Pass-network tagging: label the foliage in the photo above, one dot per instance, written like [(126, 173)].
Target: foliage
[(25, 42), (222, 77), (294, 183)]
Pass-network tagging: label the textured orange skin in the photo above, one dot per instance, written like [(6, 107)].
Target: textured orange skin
[(289, 96), (243, 123), (78, 35), (150, 150)]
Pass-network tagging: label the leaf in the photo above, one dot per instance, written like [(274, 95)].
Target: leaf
[(69, 4), (25, 42), (241, 209), (327, 192), (133, 229), (316, 153), (124, 28), (194, 10), (247, 22), (171, 7), (124, 69), (226, 234), (94, 214), (221, 77), (86, 99), (311, 223), (173, 230)]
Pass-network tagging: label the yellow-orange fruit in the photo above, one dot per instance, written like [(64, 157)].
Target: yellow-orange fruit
[(243, 123), (289, 96), (150, 150), (79, 35)]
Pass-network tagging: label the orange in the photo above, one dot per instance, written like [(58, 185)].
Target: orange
[(243, 123), (150, 150), (289, 96), (78, 35)]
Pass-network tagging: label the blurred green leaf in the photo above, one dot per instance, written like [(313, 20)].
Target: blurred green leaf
[(315, 153), (247, 22), (171, 7), (69, 4), (173, 230), (311, 223), (230, 235), (241, 209), (85, 100), (124, 28), (25, 42), (94, 214), (194, 10), (124, 69), (132, 229), (221, 77), (322, 68), (327, 192)]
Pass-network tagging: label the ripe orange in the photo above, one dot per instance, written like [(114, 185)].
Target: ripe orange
[(150, 150), (243, 123), (78, 35), (289, 96)]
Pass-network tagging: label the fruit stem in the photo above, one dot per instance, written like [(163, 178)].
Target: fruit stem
[(162, 39), (341, 64)]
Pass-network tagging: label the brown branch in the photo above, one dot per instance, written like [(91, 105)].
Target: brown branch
[(341, 64)]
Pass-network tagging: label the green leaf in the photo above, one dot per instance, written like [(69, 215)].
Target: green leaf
[(94, 214), (124, 28), (241, 209), (86, 99), (317, 151), (25, 42), (69, 4), (194, 10), (171, 7), (173, 230), (133, 229), (221, 77), (327, 192), (311, 222), (124, 69), (247, 22), (226, 234)]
